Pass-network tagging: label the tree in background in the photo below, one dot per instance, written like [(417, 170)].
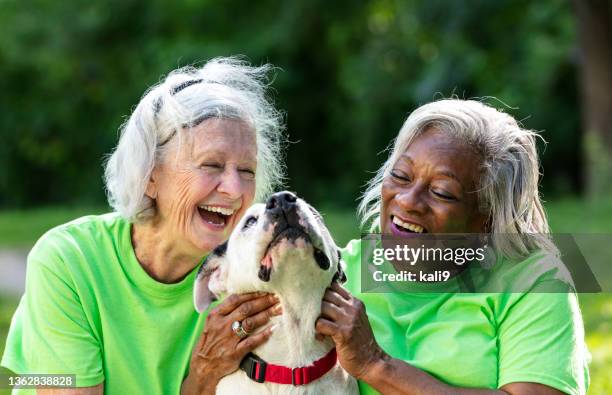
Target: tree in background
[(350, 73), (595, 33)]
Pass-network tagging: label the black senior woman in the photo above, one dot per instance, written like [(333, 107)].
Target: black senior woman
[(109, 298), (461, 167)]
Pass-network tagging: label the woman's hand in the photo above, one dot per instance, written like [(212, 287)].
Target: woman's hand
[(219, 350), (344, 319)]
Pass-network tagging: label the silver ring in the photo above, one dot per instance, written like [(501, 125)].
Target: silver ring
[(239, 330)]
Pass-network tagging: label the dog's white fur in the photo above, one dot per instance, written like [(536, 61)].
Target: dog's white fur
[(296, 279)]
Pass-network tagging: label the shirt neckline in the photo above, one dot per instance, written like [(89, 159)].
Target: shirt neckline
[(141, 278)]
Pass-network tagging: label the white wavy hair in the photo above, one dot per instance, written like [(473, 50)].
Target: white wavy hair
[(221, 88), (507, 187)]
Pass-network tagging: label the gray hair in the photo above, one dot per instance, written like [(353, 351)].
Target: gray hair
[(222, 88), (507, 190)]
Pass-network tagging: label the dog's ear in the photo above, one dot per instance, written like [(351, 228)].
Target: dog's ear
[(340, 276), (211, 278)]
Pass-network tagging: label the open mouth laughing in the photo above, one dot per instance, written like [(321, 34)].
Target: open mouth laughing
[(216, 216), (401, 227)]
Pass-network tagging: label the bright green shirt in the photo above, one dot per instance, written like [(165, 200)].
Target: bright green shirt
[(482, 340), (90, 309)]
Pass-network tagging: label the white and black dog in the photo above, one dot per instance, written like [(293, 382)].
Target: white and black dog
[(282, 247)]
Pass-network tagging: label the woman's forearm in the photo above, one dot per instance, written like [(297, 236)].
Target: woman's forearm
[(391, 376), (191, 386)]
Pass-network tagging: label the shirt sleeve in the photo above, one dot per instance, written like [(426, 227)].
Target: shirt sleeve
[(50, 333), (541, 340)]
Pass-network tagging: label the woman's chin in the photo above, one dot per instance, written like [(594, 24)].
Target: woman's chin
[(207, 238)]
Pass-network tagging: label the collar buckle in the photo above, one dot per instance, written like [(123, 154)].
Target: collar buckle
[(254, 367), (297, 376)]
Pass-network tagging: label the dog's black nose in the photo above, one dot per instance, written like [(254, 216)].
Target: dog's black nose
[(281, 201)]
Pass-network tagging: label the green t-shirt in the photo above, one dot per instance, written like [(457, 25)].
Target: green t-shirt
[(90, 309), (482, 340)]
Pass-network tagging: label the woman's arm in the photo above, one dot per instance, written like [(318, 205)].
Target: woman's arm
[(344, 319), (96, 390), (219, 351), (393, 376)]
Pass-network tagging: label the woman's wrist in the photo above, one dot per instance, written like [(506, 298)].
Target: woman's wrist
[(199, 384), (376, 368)]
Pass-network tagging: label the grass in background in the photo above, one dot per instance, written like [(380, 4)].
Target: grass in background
[(576, 216), (7, 308), (21, 228), (570, 215)]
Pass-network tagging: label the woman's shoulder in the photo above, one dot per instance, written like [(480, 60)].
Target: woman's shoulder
[(352, 249), (540, 272), (83, 225), (75, 237)]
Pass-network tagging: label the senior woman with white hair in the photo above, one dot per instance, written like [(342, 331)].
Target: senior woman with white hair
[(461, 167), (109, 298)]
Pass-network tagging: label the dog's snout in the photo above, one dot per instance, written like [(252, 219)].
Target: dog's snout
[(281, 202)]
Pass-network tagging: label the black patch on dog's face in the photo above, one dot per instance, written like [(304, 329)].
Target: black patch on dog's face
[(264, 273), (339, 276), (322, 259), (219, 251)]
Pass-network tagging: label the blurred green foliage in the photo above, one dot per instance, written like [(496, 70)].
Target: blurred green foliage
[(351, 72)]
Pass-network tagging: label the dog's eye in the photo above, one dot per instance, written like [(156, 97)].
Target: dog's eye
[(250, 222)]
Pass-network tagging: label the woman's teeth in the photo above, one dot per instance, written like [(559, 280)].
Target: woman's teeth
[(215, 209), (408, 226)]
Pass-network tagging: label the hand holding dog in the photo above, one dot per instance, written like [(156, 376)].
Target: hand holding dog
[(219, 351), (344, 319)]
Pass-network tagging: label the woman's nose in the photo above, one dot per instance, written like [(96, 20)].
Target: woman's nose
[(412, 199), (231, 184)]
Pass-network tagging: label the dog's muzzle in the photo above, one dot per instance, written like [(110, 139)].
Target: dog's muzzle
[(282, 208), (283, 211)]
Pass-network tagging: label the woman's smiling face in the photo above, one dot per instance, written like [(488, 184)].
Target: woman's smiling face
[(203, 187), (432, 188)]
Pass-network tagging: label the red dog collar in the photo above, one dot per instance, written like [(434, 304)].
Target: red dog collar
[(260, 371)]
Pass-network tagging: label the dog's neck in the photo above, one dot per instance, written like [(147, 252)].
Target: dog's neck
[(293, 343)]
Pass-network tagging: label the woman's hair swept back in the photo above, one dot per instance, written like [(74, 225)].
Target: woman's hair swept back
[(507, 186), (221, 88)]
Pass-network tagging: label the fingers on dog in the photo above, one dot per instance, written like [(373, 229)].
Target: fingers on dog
[(330, 310), (250, 343), (233, 301), (255, 321), (334, 297), (341, 290), (326, 327), (254, 306)]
